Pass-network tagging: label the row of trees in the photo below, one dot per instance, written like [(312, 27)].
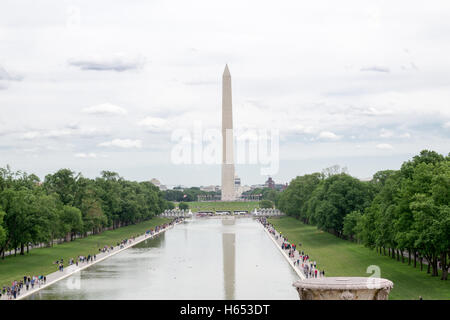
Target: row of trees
[(266, 194), (190, 194), (66, 205), (398, 212)]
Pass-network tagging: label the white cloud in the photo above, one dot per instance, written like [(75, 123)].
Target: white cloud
[(58, 133), (371, 111), (299, 128), (70, 131), (91, 132), (85, 155), (118, 62), (446, 125), (73, 125), (30, 135), (105, 109), (122, 143), (8, 76), (405, 135), (385, 146), (376, 69), (386, 133), (154, 124), (328, 135)]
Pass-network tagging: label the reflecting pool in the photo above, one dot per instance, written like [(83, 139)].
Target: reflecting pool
[(204, 258)]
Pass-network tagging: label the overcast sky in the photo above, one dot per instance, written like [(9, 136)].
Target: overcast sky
[(101, 85)]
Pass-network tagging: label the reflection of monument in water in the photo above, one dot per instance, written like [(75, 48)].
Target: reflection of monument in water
[(228, 189), (229, 261), (227, 221)]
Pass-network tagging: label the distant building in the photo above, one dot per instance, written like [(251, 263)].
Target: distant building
[(157, 183), (281, 187), (270, 183), (209, 188)]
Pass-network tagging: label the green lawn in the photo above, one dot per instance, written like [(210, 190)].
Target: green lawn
[(344, 258), (196, 206), (40, 261)]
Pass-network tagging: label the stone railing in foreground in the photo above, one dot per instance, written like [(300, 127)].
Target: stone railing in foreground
[(343, 288)]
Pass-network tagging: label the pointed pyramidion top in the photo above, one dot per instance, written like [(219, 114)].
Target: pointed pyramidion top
[(226, 72)]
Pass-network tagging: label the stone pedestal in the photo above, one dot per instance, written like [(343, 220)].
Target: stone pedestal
[(343, 288)]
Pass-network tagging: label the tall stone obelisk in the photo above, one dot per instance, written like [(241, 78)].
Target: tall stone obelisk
[(228, 192)]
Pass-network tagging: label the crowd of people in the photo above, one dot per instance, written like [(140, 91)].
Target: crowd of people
[(301, 260), (17, 287), (29, 282)]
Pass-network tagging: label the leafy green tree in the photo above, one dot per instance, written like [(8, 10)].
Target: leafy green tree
[(17, 180), (379, 178), (294, 200), (188, 194), (63, 183), (46, 225), (3, 234), (333, 170), (173, 195), (71, 221), (109, 187), (266, 204), (271, 195), (340, 195), (410, 211), (431, 211), (266, 194), (183, 206), (93, 217), (351, 221), (364, 229), (18, 219), (170, 205)]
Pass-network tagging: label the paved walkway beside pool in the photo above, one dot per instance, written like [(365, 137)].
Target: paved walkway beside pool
[(278, 240), (69, 270)]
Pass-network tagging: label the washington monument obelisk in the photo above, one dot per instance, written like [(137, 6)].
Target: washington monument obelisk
[(228, 192)]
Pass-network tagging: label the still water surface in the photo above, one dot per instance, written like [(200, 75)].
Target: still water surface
[(198, 259)]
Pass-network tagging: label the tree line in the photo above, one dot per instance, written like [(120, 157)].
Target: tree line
[(399, 213), (188, 194), (191, 194), (67, 205), (266, 193)]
